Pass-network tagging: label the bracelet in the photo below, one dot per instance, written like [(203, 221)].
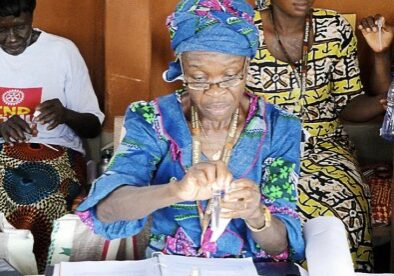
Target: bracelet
[(267, 223)]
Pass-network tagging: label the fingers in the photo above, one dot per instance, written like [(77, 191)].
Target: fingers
[(371, 23), (50, 112), (223, 176), (14, 130), (215, 174), (367, 25), (383, 102), (201, 180), (379, 17), (242, 201)]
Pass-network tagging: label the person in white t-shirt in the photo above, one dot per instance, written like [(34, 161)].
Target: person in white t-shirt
[(47, 104)]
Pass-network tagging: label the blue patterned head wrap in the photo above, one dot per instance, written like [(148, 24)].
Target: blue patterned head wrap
[(223, 26)]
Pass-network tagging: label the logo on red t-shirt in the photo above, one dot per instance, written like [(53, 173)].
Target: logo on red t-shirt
[(19, 101)]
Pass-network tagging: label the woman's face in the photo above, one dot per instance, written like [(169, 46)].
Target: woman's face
[(294, 8), (226, 76), (15, 33)]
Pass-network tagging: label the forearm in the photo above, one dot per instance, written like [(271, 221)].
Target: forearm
[(380, 76), (131, 203), (362, 109), (86, 125), (272, 239)]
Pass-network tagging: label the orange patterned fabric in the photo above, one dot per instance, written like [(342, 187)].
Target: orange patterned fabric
[(37, 186)]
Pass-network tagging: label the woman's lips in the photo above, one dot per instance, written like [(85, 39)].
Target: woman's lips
[(301, 5), (217, 109)]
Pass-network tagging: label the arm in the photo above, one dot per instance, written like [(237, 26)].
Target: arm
[(53, 113), (86, 125), (380, 78), (351, 102), (121, 199), (363, 108), (131, 203), (139, 146)]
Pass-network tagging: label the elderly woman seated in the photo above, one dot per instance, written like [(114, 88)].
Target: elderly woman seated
[(209, 145)]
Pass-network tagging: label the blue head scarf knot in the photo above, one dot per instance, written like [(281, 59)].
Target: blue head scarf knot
[(223, 26)]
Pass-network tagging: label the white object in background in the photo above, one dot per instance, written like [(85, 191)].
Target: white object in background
[(91, 171), (327, 250), (16, 246), (36, 114)]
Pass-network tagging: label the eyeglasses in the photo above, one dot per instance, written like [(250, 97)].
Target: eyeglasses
[(203, 86), (224, 84)]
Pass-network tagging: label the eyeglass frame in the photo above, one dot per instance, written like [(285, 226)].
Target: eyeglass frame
[(209, 84)]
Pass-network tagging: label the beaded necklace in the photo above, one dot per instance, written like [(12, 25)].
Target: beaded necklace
[(300, 72)]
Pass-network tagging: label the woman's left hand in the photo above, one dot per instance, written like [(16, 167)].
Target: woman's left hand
[(383, 102), (243, 201), (369, 28), (52, 113)]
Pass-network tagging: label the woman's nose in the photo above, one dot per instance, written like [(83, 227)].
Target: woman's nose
[(215, 90), (11, 35)]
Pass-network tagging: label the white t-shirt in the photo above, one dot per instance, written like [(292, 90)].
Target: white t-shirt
[(50, 68)]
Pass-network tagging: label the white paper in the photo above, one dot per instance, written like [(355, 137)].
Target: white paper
[(327, 250), (163, 265), (148, 267), (372, 274), (182, 266)]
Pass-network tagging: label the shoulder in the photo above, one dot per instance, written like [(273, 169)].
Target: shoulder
[(332, 27), (145, 110), (59, 46), (149, 111), (279, 115), (331, 21), (52, 40)]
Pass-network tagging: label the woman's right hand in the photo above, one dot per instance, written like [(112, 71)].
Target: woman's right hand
[(15, 129), (369, 28), (201, 180)]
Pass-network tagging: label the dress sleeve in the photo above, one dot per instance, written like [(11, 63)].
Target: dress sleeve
[(346, 83), (279, 182), (133, 163)]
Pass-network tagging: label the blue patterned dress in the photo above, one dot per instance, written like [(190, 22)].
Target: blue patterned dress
[(158, 147)]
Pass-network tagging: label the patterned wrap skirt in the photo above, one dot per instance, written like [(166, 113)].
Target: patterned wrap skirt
[(331, 184), (37, 186)]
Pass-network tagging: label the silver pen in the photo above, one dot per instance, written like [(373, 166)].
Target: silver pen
[(215, 205), (380, 25)]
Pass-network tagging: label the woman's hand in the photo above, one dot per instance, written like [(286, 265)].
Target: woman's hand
[(201, 179), (369, 29), (15, 129), (51, 112), (244, 201), (383, 102)]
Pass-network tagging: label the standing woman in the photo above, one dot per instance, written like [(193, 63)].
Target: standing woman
[(307, 64)]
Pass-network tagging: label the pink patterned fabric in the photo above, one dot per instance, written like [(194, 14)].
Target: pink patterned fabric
[(86, 217), (182, 244)]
